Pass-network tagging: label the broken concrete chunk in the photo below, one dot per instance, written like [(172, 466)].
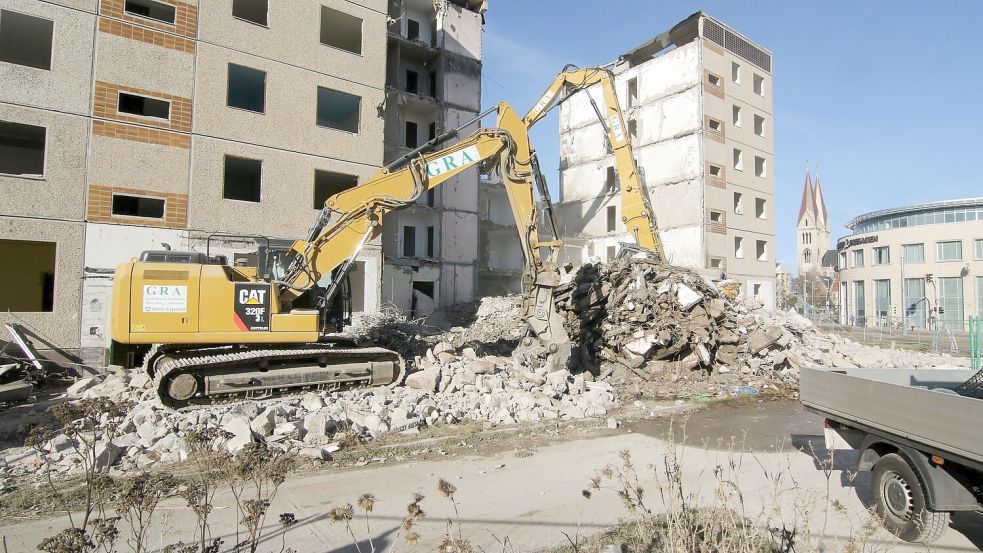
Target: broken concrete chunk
[(424, 380)]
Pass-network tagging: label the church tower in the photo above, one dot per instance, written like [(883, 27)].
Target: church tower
[(813, 233)]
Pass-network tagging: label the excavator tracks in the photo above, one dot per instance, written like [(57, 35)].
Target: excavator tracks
[(202, 375)]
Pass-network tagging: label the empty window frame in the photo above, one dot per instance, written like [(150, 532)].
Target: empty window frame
[(138, 206), (611, 180), (431, 242), (882, 255), (716, 170), (950, 250), (329, 183), (341, 30), (411, 135), (735, 72), (716, 263), (738, 203), (22, 149), (412, 82), (761, 250), (738, 247), (412, 29), (25, 39), (144, 106), (433, 84), (243, 179), (409, 241), (612, 213), (759, 125), (633, 130), (738, 159), (714, 125), (632, 96), (31, 288), (714, 80), (431, 132), (736, 115), (254, 11), (759, 85), (337, 109), (760, 208), (716, 216), (151, 9), (246, 88), (612, 252), (760, 167)]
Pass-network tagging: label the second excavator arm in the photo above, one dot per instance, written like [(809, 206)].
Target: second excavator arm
[(353, 217), (636, 211)]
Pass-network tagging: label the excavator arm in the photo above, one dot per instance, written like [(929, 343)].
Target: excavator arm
[(353, 217), (636, 212)]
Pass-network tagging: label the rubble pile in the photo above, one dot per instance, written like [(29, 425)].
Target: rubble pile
[(452, 387), (636, 316)]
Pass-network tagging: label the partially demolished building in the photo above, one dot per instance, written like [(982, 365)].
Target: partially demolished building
[(698, 103), (433, 84)]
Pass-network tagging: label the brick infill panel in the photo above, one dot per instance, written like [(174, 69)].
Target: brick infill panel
[(185, 17), (100, 207), (150, 36), (106, 100), (141, 134)]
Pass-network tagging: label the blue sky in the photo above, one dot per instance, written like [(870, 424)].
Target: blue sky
[(886, 99)]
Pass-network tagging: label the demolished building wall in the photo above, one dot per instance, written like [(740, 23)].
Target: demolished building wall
[(433, 84), (700, 120)]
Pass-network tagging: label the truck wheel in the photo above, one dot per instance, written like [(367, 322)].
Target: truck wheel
[(900, 501)]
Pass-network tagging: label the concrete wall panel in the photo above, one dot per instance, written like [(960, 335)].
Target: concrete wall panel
[(462, 30), (459, 237), (290, 114), (684, 245), (456, 284), (124, 61), (293, 33), (461, 192), (61, 192), (68, 85), (131, 164), (62, 324), (286, 209)]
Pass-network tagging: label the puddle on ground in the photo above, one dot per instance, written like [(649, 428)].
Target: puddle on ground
[(765, 426)]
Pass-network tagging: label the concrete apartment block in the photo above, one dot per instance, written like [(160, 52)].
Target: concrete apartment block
[(118, 121), (697, 100), (433, 84)]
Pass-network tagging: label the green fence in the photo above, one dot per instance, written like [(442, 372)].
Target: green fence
[(976, 341)]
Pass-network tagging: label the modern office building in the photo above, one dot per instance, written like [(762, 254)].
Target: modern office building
[(698, 103), (128, 125), (912, 264)]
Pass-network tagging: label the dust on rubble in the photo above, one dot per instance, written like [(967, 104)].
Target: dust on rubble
[(641, 330)]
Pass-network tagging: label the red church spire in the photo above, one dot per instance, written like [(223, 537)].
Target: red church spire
[(808, 206)]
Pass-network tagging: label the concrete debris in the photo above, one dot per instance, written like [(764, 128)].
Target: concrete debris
[(636, 319), (634, 323)]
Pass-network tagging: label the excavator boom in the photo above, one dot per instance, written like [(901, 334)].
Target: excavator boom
[(636, 211)]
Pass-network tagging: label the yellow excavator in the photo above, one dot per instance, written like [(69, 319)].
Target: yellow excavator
[(208, 330)]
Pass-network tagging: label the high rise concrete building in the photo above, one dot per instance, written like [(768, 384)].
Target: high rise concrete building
[(698, 103), (812, 230), (433, 84), (131, 125)]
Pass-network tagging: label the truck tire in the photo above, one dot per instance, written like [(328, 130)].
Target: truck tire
[(899, 498)]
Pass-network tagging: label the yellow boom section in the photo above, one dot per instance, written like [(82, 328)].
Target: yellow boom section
[(353, 217), (636, 212)]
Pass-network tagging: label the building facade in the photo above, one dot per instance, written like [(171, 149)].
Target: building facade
[(914, 265), (698, 103), (128, 125), (812, 229), (433, 84)]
